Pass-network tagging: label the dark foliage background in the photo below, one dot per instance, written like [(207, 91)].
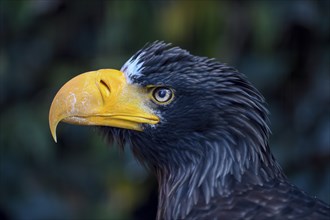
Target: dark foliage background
[(282, 46)]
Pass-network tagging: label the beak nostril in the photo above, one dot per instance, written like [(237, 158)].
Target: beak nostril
[(105, 87)]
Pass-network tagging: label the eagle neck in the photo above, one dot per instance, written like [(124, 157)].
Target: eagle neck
[(217, 173)]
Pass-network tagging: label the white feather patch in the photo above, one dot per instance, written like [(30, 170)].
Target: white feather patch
[(132, 68)]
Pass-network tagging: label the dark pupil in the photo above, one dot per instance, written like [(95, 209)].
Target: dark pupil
[(162, 93)]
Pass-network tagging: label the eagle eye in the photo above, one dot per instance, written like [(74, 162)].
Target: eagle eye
[(162, 95)]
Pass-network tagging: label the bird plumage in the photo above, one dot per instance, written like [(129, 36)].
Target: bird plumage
[(210, 151)]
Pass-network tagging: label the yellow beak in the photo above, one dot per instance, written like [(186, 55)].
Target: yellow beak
[(103, 98)]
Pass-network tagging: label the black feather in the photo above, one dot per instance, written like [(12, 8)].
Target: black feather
[(210, 150)]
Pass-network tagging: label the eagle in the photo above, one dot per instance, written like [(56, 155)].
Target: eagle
[(198, 125)]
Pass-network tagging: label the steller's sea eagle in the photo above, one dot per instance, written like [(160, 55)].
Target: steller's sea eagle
[(198, 125)]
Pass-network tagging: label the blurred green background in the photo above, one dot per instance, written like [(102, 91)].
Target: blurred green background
[(282, 46)]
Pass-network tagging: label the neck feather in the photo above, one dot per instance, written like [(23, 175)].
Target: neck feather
[(224, 168)]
